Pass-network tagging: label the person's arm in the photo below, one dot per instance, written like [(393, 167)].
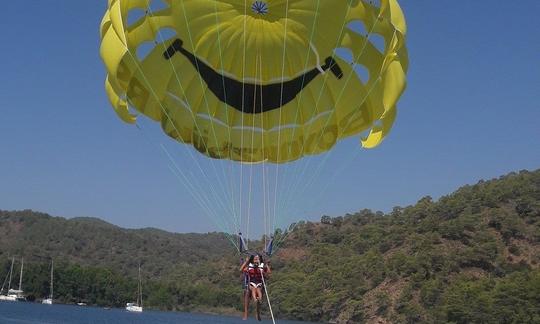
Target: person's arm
[(268, 270), (244, 265)]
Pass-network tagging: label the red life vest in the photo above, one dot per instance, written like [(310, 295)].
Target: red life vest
[(255, 273)]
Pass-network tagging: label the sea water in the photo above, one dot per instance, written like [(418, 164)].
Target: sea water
[(25, 312)]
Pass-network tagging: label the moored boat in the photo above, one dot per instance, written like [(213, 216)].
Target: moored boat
[(136, 307)]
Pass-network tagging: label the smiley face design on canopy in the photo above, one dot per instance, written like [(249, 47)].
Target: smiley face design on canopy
[(256, 81)]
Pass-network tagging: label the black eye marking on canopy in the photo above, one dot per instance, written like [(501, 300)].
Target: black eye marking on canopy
[(247, 97)]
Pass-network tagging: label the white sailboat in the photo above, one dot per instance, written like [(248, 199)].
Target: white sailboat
[(136, 307), (14, 294), (49, 301), (6, 297)]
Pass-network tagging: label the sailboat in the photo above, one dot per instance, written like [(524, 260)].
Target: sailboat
[(6, 297), (49, 301), (14, 294), (136, 307)]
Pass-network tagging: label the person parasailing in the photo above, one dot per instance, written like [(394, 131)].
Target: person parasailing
[(256, 272)]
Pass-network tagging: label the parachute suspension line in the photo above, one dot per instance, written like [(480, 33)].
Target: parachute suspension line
[(296, 174), (266, 202), (270, 218), (325, 187), (294, 187), (250, 193), (178, 170), (220, 184), (280, 111), (252, 142), (264, 191), (335, 174), (241, 193), (327, 156), (212, 163), (228, 122), (231, 181), (267, 212), (219, 223), (223, 225), (189, 185), (232, 186), (152, 91), (267, 296), (295, 177), (318, 196), (186, 183), (300, 175), (324, 76), (192, 189), (288, 177), (263, 180)]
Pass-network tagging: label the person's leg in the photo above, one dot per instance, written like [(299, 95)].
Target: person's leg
[(253, 292), (245, 298), (259, 299), (254, 297)]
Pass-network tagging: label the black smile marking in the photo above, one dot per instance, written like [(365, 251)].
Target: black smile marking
[(247, 97)]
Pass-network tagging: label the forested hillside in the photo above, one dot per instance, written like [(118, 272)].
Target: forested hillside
[(90, 241), (470, 257)]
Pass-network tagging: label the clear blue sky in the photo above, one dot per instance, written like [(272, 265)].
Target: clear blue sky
[(470, 112)]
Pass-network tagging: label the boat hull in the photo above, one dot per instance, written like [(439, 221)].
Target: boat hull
[(134, 308), (8, 298)]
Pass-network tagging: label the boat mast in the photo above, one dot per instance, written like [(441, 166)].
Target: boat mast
[(20, 278), (52, 279), (10, 273), (139, 297)]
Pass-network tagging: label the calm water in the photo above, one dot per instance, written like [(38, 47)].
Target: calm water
[(20, 312)]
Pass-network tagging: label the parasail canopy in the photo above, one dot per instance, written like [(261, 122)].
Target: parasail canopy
[(255, 81)]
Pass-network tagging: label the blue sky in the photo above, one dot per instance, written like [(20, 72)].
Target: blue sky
[(470, 112)]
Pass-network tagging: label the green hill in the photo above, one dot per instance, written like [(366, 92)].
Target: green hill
[(470, 257), (91, 241)]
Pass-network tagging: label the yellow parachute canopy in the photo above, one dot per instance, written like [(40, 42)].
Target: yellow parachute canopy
[(257, 81)]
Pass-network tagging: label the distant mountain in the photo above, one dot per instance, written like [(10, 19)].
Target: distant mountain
[(470, 257), (94, 242)]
